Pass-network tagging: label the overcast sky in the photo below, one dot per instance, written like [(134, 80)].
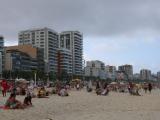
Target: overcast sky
[(115, 31)]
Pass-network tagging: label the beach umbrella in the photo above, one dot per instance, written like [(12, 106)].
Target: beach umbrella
[(21, 80), (122, 83)]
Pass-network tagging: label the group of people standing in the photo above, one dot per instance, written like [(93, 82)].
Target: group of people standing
[(148, 87), (134, 88)]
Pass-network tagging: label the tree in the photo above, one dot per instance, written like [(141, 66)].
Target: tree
[(52, 76), (6, 74), (64, 76)]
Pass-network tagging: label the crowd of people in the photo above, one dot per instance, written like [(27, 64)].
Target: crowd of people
[(101, 88)]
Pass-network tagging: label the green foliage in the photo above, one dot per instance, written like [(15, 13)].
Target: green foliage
[(52, 76)]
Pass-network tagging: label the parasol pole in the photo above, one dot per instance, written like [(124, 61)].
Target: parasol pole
[(35, 76)]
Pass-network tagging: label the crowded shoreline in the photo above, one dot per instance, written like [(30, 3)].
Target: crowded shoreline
[(83, 104)]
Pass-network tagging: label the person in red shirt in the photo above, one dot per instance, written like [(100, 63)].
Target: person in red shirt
[(4, 87)]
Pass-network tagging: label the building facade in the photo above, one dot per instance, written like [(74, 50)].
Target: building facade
[(95, 69), (64, 61), (127, 70), (145, 74), (23, 58), (110, 72), (46, 39), (1, 54), (136, 76), (72, 41), (158, 75)]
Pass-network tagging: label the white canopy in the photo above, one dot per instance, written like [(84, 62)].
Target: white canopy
[(113, 83), (22, 80)]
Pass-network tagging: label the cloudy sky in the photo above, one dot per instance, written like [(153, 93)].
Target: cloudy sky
[(115, 31)]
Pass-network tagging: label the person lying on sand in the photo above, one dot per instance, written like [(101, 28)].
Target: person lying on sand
[(12, 103)]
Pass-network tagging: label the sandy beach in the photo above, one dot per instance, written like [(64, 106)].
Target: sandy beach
[(81, 105)]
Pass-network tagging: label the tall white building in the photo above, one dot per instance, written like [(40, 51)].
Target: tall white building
[(46, 39), (127, 70), (72, 42), (110, 72), (145, 74), (136, 76)]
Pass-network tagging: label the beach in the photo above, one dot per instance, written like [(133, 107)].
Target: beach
[(81, 105)]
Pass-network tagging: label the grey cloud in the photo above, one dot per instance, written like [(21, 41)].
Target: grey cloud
[(92, 17)]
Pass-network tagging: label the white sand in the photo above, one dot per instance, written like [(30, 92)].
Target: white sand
[(81, 105)]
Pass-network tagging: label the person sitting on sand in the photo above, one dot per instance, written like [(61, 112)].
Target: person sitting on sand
[(41, 93), (98, 88), (105, 90), (12, 103), (63, 92), (137, 87), (98, 91), (28, 99)]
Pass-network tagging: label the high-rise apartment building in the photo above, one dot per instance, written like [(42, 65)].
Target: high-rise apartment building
[(110, 71), (71, 42), (95, 69), (44, 38), (136, 76), (1, 54), (127, 70), (158, 75), (64, 58), (145, 74)]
